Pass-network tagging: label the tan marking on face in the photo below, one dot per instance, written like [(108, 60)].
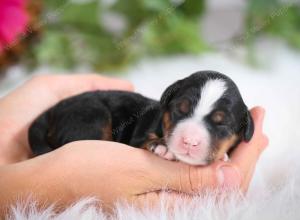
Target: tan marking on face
[(149, 142), (153, 139), (167, 124), (222, 147), (152, 136)]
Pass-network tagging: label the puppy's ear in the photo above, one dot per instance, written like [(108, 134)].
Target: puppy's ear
[(170, 92), (248, 127)]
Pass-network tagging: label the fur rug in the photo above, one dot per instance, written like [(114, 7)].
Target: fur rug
[(281, 202), (275, 189)]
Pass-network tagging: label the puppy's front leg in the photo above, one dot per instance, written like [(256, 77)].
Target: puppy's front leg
[(163, 151), (158, 147)]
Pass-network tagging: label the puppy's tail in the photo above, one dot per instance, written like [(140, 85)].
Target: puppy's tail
[(37, 135)]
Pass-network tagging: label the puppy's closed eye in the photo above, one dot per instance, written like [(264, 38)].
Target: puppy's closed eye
[(184, 106)]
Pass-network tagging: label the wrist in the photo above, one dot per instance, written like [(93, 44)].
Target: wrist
[(33, 180)]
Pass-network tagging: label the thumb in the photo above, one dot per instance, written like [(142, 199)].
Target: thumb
[(188, 179), (68, 85), (217, 175), (228, 176)]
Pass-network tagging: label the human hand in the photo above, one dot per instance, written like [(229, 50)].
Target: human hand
[(112, 171), (234, 174), (73, 171), (23, 105)]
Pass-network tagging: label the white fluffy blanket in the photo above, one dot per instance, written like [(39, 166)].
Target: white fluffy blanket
[(275, 190), (276, 204)]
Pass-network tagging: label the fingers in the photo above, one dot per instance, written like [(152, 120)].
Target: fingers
[(236, 173), (89, 82), (182, 177), (247, 154), (94, 82), (67, 85), (228, 176), (217, 175)]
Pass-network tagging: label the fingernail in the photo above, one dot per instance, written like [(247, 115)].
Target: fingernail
[(228, 177)]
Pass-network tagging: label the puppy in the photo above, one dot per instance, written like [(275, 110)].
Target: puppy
[(198, 120)]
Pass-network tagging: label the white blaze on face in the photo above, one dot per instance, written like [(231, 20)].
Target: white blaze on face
[(190, 140)]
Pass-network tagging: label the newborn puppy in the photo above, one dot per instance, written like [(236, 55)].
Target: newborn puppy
[(198, 120)]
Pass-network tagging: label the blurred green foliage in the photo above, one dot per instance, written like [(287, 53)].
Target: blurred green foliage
[(278, 18), (75, 33)]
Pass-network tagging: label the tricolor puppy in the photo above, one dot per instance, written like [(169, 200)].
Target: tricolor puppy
[(198, 120)]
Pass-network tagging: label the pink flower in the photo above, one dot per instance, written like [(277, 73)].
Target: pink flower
[(13, 21)]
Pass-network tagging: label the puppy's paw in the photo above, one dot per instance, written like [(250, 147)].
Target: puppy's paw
[(169, 155), (160, 150), (163, 152), (225, 158)]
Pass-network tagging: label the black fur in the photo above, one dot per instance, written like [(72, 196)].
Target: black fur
[(130, 118), (238, 119), (82, 117)]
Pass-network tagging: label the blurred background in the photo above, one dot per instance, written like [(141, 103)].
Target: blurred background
[(155, 42)]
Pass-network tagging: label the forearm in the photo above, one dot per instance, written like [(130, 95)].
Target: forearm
[(69, 174), (62, 177), (32, 179)]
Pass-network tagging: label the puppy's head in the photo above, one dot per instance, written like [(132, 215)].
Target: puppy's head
[(204, 117)]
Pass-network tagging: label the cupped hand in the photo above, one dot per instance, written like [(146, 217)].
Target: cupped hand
[(23, 105), (112, 171)]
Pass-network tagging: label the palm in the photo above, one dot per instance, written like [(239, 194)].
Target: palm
[(22, 106)]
